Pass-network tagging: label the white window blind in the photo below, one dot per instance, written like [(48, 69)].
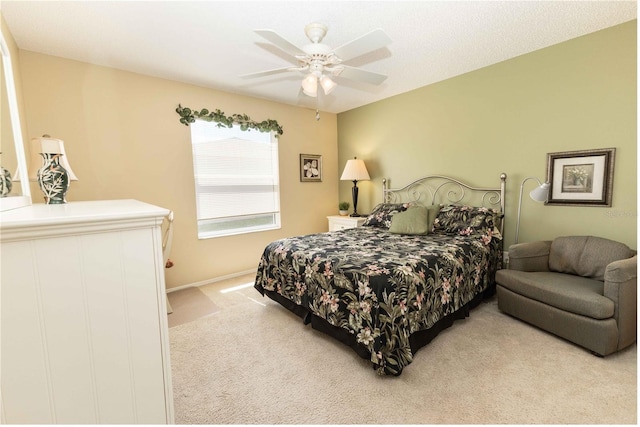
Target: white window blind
[(236, 179)]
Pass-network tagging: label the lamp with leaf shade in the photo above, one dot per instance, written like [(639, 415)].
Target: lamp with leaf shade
[(49, 165)]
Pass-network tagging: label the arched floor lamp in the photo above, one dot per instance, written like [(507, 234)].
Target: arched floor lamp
[(538, 194)]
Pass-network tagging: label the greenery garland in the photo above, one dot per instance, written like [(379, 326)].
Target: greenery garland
[(189, 116)]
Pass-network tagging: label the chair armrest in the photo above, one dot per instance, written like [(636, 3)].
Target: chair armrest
[(621, 286), (530, 256), (622, 270)]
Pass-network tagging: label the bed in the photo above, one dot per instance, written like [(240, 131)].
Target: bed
[(386, 289)]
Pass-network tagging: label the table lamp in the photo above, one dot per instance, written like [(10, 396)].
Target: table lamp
[(355, 170)]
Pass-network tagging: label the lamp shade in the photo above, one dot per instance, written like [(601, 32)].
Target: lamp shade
[(51, 146), (355, 170), (327, 84), (310, 85), (540, 193)]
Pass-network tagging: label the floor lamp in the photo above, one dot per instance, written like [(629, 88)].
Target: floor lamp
[(538, 194), (355, 171)]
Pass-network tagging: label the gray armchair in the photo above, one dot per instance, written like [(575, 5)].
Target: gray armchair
[(581, 288)]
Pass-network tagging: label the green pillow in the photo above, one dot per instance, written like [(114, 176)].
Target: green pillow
[(414, 220), (433, 214)]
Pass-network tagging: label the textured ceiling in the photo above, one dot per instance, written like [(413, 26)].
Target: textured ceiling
[(212, 43)]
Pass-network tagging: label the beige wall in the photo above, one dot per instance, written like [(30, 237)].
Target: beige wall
[(124, 140), (576, 95)]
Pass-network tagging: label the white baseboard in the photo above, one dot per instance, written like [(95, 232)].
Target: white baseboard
[(210, 281)]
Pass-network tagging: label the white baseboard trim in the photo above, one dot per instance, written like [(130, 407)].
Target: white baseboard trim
[(210, 281)]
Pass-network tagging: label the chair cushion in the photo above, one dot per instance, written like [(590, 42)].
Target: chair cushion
[(579, 295), (585, 256)]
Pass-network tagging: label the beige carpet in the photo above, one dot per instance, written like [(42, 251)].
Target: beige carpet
[(253, 362), (188, 305)]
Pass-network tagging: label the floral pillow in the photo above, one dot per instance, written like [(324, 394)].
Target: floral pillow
[(382, 214), (466, 220)]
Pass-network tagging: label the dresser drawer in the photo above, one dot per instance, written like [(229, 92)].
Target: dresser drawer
[(338, 222)]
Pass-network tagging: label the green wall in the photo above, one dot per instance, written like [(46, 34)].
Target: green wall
[(577, 95)]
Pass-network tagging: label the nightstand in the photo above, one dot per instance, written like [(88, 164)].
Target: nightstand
[(339, 222)]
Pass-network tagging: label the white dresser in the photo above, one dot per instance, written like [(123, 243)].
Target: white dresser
[(84, 337)]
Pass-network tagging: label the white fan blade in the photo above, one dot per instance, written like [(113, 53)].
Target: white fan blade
[(281, 42), (376, 39), (268, 72), (361, 75)]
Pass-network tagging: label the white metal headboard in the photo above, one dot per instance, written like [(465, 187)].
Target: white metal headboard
[(443, 190)]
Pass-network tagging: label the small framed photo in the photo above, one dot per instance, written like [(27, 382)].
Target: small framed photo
[(310, 168), (581, 178)]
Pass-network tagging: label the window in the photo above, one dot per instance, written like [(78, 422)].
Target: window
[(236, 179)]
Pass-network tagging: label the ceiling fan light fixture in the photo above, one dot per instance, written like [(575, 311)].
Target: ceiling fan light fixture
[(327, 84), (310, 85), (319, 62)]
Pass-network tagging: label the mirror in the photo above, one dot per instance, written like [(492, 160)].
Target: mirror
[(12, 157)]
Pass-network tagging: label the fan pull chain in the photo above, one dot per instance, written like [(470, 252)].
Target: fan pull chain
[(317, 110)]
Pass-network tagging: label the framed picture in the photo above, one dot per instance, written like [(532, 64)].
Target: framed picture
[(310, 168), (581, 178)]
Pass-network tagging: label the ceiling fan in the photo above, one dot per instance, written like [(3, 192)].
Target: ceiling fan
[(319, 62)]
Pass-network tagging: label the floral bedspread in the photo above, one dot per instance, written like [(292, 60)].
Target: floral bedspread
[(379, 286)]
